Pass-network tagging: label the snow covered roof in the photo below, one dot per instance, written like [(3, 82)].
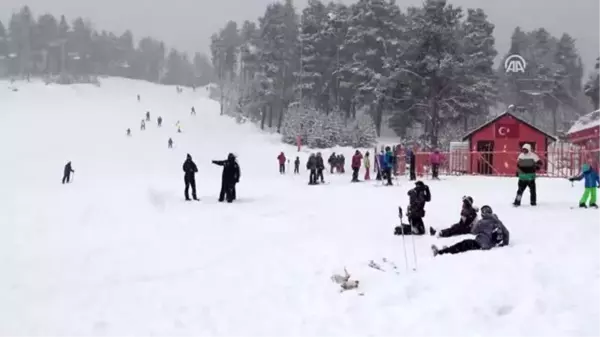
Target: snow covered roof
[(470, 133), (586, 122)]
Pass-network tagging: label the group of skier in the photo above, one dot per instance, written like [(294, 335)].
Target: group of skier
[(229, 178)]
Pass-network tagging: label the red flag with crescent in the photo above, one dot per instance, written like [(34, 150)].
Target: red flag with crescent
[(507, 130)]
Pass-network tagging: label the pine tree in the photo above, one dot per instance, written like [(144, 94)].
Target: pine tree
[(592, 86)]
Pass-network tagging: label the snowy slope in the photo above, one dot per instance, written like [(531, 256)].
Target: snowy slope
[(117, 252)]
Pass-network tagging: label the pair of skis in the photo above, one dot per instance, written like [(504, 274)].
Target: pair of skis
[(414, 268)]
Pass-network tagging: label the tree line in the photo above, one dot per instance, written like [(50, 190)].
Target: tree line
[(49, 46), (428, 68)]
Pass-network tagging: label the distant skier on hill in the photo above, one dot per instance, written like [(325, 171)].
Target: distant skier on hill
[(320, 168), (147, 116), (159, 121), (67, 173), (128, 132), (356, 161), (281, 160), (311, 165), (190, 169), (229, 178), (138, 97), (143, 125), (193, 113), (297, 165), (170, 142)]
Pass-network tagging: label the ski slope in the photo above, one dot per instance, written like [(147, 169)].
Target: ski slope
[(118, 252)]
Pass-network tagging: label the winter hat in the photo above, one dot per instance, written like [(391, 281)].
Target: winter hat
[(189, 156), (585, 167), (231, 156), (486, 210), (419, 184), (467, 199)]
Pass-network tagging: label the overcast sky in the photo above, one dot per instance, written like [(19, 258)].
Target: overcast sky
[(188, 24)]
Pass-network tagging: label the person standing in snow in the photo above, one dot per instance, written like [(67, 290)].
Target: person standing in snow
[(128, 132), (229, 178), (379, 161), (311, 165), (342, 163), (591, 184), (489, 232), (170, 143), (193, 113), (281, 159), (147, 116), (143, 125), (355, 165), (411, 159), (528, 163), (67, 173), (159, 121), (418, 196), (320, 168), (435, 159), (190, 169), (138, 97), (332, 162), (468, 217), (387, 164), (367, 164), (297, 165)]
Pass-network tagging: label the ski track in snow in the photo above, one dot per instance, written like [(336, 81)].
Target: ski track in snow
[(118, 252)]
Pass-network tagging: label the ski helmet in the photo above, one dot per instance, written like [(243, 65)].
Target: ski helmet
[(486, 210)]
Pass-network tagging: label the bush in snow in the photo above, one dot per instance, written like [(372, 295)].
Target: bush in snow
[(318, 130)]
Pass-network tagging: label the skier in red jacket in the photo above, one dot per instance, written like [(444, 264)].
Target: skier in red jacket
[(281, 159), (356, 162)]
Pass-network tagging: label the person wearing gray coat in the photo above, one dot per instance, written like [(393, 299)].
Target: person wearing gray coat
[(489, 232)]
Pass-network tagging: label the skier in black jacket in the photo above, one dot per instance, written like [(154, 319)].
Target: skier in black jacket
[(418, 196), (190, 169), (230, 177), (67, 173), (468, 217)]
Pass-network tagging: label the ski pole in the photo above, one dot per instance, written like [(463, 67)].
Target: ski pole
[(403, 241), (413, 244)]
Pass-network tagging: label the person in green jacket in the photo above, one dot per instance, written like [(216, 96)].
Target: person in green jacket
[(528, 163)]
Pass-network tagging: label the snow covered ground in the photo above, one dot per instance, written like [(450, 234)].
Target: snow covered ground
[(118, 252)]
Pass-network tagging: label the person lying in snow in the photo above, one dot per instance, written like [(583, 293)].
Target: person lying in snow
[(489, 233), (468, 217)]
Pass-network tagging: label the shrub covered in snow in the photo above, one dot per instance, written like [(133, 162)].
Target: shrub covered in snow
[(319, 130)]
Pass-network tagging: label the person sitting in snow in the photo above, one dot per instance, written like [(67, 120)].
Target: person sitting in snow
[(489, 232), (418, 196), (468, 217), (591, 183)]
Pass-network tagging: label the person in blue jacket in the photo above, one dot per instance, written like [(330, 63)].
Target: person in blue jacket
[(591, 183), (388, 163)]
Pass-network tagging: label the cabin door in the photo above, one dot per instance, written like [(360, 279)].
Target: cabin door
[(485, 164)]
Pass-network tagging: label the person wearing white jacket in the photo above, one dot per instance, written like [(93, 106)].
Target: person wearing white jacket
[(528, 163)]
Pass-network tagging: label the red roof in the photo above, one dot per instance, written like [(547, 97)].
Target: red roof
[(507, 113)]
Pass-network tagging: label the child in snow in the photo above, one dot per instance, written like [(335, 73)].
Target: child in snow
[(591, 183), (468, 217), (367, 163), (297, 165), (489, 233)]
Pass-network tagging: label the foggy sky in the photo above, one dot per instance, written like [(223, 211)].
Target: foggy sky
[(188, 24)]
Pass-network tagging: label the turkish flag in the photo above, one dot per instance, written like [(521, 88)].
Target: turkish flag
[(507, 130)]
